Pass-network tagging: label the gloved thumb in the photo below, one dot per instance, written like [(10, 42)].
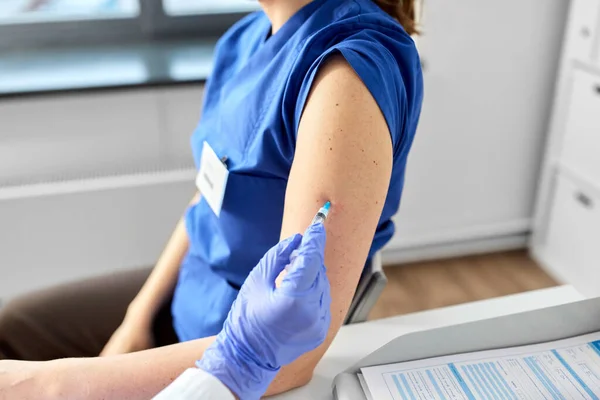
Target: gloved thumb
[(277, 258), (305, 269)]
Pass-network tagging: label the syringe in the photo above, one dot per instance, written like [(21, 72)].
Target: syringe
[(321, 214), (320, 217)]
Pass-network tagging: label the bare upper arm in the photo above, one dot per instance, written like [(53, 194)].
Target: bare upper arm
[(343, 155)]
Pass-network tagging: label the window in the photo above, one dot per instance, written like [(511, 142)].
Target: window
[(42, 23), (23, 11), (186, 7)]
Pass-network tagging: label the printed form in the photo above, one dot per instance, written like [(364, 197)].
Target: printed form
[(565, 369)]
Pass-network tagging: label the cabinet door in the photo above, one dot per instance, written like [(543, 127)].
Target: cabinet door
[(583, 29), (581, 144), (573, 241)]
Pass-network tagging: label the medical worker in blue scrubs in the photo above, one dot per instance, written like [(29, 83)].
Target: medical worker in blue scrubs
[(309, 101)]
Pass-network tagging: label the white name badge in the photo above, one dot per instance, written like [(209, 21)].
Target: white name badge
[(212, 178)]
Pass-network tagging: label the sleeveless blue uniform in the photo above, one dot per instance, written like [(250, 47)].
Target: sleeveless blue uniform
[(251, 112)]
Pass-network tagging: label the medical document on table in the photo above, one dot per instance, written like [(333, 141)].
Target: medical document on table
[(564, 369)]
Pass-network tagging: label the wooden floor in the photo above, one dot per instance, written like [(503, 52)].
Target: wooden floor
[(433, 284)]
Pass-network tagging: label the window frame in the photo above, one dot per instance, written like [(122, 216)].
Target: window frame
[(152, 23)]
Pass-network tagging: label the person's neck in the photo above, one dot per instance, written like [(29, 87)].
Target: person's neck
[(279, 11)]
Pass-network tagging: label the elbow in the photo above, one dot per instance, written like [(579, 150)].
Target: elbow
[(288, 380), (301, 379)]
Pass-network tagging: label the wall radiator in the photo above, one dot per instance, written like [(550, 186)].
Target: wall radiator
[(66, 229)]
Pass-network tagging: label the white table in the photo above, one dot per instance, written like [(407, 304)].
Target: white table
[(353, 342)]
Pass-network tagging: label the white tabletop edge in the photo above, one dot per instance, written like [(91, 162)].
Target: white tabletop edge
[(350, 345)]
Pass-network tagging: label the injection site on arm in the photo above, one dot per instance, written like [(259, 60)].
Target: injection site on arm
[(319, 218)]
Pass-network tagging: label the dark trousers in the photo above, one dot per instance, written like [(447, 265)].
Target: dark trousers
[(76, 319)]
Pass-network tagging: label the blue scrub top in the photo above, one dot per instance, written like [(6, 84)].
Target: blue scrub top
[(251, 112)]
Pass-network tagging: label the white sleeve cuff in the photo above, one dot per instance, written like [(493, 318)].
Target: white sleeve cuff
[(195, 384)]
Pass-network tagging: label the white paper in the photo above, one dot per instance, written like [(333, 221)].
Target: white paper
[(364, 386), (565, 369)]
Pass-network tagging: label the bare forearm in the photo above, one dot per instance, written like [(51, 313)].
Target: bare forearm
[(162, 280), (132, 376), (143, 374)]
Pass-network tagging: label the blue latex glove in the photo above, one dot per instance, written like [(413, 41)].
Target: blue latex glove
[(269, 327)]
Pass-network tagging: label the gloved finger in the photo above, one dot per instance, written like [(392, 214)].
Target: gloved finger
[(275, 260), (304, 271)]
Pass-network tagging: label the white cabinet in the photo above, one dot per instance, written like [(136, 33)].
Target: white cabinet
[(581, 144), (584, 29), (573, 242), (566, 237)]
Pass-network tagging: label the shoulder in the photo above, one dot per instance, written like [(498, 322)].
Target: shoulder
[(391, 51), (366, 63), (374, 45), (362, 25), (341, 100), (337, 78)]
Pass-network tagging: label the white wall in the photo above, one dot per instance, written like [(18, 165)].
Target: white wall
[(490, 73), (470, 185)]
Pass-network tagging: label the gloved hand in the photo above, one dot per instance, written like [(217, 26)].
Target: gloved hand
[(269, 327)]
